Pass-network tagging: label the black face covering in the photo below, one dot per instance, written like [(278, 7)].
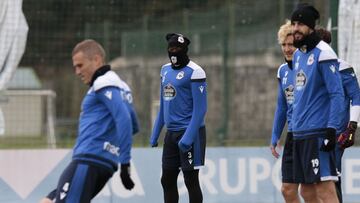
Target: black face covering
[(178, 59), (310, 41)]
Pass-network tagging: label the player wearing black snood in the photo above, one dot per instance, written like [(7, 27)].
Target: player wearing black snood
[(177, 50), (182, 110)]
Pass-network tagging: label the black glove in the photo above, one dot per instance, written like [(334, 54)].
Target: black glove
[(329, 141), (125, 176), (154, 145), (347, 138)]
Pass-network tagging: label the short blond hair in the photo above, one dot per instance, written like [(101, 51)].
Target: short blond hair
[(90, 48), (284, 31)]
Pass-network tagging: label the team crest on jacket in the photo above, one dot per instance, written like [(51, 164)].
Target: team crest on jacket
[(300, 80), (169, 92), (310, 59), (180, 75), (289, 94)]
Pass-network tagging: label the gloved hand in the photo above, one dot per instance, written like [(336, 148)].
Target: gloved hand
[(347, 138), (153, 141), (154, 144), (125, 176), (329, 141), (184, 147)]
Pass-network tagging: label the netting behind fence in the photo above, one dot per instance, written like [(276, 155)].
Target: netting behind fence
[(234, 41)]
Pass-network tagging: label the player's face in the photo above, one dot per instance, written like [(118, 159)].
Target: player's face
[(299, 30), (287, 47), (174, 49), (84, 67)]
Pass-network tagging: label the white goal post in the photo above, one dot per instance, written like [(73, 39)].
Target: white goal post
[(29, 113)]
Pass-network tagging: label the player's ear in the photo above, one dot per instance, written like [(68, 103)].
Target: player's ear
[(98, 60)]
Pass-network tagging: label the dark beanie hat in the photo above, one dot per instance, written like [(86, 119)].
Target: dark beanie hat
[(306, 14), (177, 40)]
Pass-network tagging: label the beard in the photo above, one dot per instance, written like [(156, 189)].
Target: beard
[(310, 39), (299, 42)]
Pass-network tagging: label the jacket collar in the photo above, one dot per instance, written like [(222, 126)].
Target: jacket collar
[(99, 72)]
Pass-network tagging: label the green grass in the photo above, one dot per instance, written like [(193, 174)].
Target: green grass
[(67, 141), (39, 142), (22, 142)]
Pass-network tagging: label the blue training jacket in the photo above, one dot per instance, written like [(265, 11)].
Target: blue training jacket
[(183, 102), (318, 96), (105, 129), (128, 100), (284, 103), (351, 91)]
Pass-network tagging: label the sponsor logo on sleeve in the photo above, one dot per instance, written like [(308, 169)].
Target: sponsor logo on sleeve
[(111, 148)]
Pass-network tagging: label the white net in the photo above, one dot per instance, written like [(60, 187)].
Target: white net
[(28, 115), (349, 32), (13, 34)]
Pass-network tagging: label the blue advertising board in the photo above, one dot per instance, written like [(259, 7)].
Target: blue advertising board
[(248, 174)]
